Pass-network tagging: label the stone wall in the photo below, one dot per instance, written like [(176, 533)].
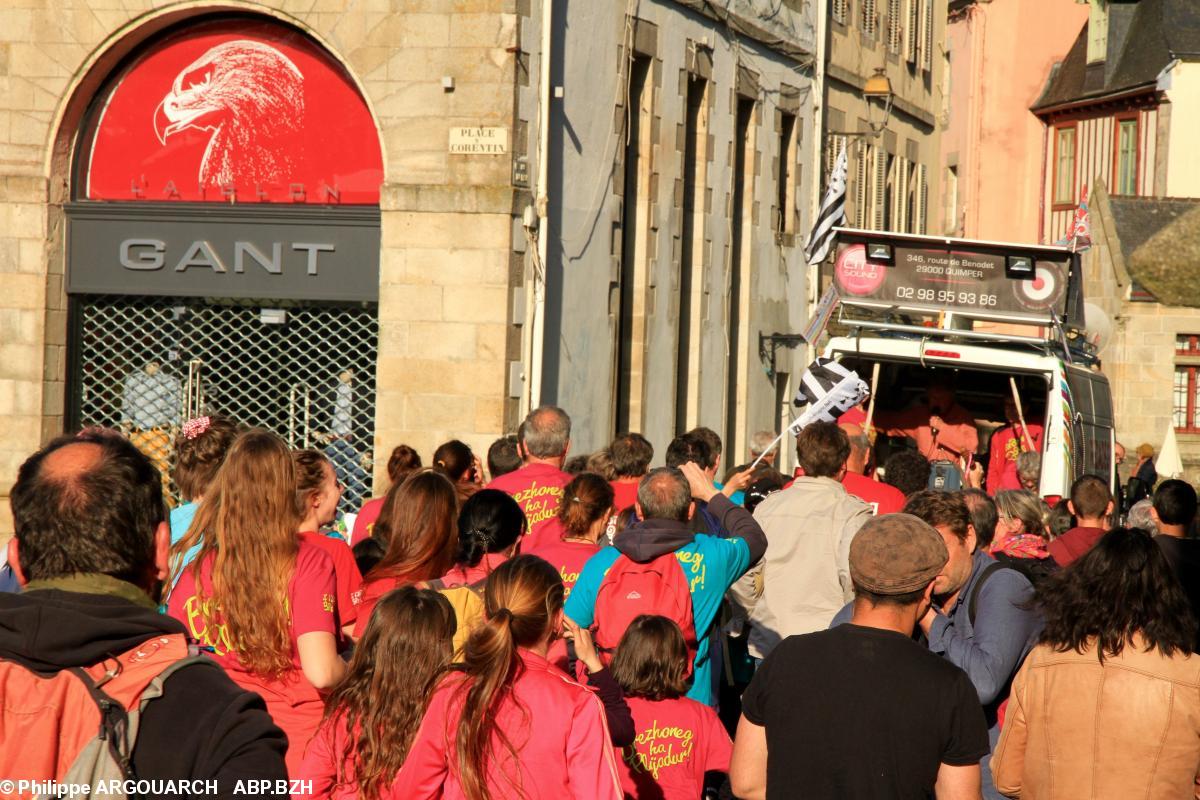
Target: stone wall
[(446, 219)]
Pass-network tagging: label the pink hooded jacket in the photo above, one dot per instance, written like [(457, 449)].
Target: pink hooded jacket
[(556, 726)]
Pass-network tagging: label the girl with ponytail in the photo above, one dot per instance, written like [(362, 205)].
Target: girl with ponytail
[(257, 597), (505, 723), (571, 538), (371, 717)]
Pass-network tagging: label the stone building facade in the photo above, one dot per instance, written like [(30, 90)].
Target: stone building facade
[(679, 187), (893, 182), (446, 335), (445, 220)]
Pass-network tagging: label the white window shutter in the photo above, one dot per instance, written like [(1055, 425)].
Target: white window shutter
[(927, 45), (879, 221), (923, 200)]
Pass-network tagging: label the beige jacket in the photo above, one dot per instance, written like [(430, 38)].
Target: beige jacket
[(804, 579), (1076, 729)]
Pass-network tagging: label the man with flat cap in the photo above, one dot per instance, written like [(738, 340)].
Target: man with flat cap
[(861, 710)]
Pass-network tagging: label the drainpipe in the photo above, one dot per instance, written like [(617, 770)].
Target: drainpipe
[(537, 336)]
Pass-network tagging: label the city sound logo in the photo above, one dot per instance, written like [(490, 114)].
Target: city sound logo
[(855, 275)]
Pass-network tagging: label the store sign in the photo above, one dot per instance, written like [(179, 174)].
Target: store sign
[(938, 279), (235, 111), (192, 251)]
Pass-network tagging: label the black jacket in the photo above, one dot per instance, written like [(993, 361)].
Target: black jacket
[(651, 538), (203, 727)]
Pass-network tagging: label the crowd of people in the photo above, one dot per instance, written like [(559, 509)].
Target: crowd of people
[(537, 624)]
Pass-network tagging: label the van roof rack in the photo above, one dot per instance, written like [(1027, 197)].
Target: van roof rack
[(898, 322)]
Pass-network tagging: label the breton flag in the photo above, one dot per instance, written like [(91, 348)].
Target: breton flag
[(828, 390), (1079, 234), (832, 214)]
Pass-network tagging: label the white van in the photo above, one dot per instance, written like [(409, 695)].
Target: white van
[(1060, 385)]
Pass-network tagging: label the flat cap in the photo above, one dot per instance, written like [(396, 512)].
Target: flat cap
[(896, 554)]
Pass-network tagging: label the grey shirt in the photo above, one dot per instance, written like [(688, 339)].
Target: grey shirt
[(150, 401)]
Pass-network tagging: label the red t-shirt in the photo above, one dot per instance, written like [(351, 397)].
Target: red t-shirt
[(624, 493), (345, 572), (368, 595), (882, 498), (538, 490), (568, 558), (365, 520), (677, 742), (293, 702), (1074, 543)]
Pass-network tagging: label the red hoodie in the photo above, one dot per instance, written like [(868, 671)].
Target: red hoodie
[(556, 727)]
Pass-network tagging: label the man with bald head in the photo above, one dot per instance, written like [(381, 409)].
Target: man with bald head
[(91, 550), (666, 502), (542, 443)]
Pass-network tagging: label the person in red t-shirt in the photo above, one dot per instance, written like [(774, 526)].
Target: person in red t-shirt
[(458, 462), (1006, 445), (678, 739), (631, 456), (882, 499), (543, 441), (1092, 505), (267, 607), (418, 529), (373, 714), (318, 492), (403, 462), (572, 538)]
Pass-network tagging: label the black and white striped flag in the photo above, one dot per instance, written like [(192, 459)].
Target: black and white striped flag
[(829, 390), (832, 214)]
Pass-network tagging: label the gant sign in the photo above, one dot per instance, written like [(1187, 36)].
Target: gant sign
[(143, 255), (194, 250)]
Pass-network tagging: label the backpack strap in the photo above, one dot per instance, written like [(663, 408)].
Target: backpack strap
[(114, 720), (973, 600)]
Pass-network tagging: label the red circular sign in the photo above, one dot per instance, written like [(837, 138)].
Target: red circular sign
[(235, 111), (855, 275)]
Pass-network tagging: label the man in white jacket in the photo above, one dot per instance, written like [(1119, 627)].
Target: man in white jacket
[(804, 578)]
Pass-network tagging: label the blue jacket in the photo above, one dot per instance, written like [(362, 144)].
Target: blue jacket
[(711, 565), (992, 649)]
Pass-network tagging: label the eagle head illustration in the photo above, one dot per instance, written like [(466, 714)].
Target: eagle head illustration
[(251, 97)]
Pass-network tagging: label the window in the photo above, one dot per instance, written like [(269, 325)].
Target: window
[(894, 30), (912, 31), (1064, 166), (951, 200), (1127, 157), (839, 11), (927, 39), (868, 18), (862, 168), (692, 257), (741, 237), (635, 251), (786, 223), (1187, 383)]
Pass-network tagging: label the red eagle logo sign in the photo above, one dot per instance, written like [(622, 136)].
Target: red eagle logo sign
[(234, 111), (250, 97)]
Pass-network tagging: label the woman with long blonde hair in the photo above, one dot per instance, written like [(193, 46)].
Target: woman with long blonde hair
[(257, 597), (506, 699)]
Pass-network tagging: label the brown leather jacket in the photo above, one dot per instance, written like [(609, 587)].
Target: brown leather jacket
[(1077, 729)]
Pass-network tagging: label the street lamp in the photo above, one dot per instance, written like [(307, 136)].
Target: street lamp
[(877, 92), (878, 89)]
